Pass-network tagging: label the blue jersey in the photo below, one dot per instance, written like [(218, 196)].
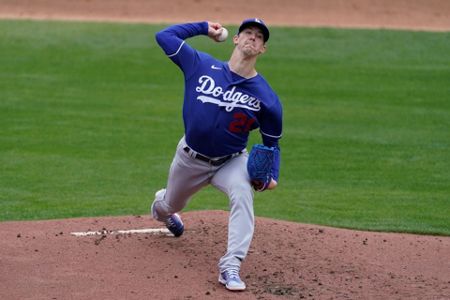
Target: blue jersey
[(220, 107)]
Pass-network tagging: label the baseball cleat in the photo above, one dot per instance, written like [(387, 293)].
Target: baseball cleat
[(175, 225), (231, 280)]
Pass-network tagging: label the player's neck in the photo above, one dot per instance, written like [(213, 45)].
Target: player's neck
[(243, 66)]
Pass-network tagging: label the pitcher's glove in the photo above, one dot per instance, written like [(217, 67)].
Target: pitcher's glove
[(259, 166)]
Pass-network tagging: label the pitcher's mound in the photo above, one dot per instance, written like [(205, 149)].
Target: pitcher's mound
[(44, 260)]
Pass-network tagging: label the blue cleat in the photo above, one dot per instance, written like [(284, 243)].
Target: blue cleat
[(175, 225)]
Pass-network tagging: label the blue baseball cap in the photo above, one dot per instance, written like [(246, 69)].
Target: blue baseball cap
[(255, 22)]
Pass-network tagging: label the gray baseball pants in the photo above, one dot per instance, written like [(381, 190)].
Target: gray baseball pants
[(188, 175)]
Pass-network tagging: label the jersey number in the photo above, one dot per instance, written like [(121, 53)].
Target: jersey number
[(241, 123)]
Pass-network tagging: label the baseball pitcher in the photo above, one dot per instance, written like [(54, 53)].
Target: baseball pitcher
[(223, 102)]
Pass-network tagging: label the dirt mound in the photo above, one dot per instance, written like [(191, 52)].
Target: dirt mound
[(43, 260)]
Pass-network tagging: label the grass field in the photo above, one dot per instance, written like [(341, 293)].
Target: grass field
[(90, 114)]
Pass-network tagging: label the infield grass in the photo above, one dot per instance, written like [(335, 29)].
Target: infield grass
[(90, 114)]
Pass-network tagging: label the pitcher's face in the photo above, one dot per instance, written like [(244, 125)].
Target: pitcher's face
[(250, 41)]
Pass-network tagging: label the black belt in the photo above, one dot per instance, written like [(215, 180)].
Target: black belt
[(216, 162)]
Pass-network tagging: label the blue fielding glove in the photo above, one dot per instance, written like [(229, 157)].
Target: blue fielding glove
[(259, 166)]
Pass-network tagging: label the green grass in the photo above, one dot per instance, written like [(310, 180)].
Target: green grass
[(90, 115)]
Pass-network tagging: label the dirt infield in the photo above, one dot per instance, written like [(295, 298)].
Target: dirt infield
[(402, 14), (43, 260)]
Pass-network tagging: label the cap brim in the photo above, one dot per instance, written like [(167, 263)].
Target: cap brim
[(263, 28)]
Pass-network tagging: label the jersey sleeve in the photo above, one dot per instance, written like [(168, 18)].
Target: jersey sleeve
[(271, 127), (172, 41)]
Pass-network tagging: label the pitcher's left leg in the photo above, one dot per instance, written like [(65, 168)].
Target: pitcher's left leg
[(232, 179)]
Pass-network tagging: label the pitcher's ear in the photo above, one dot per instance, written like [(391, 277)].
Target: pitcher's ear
[(263, 49), (235, 39)]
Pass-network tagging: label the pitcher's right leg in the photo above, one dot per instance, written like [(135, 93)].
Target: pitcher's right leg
[(187, 175)]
